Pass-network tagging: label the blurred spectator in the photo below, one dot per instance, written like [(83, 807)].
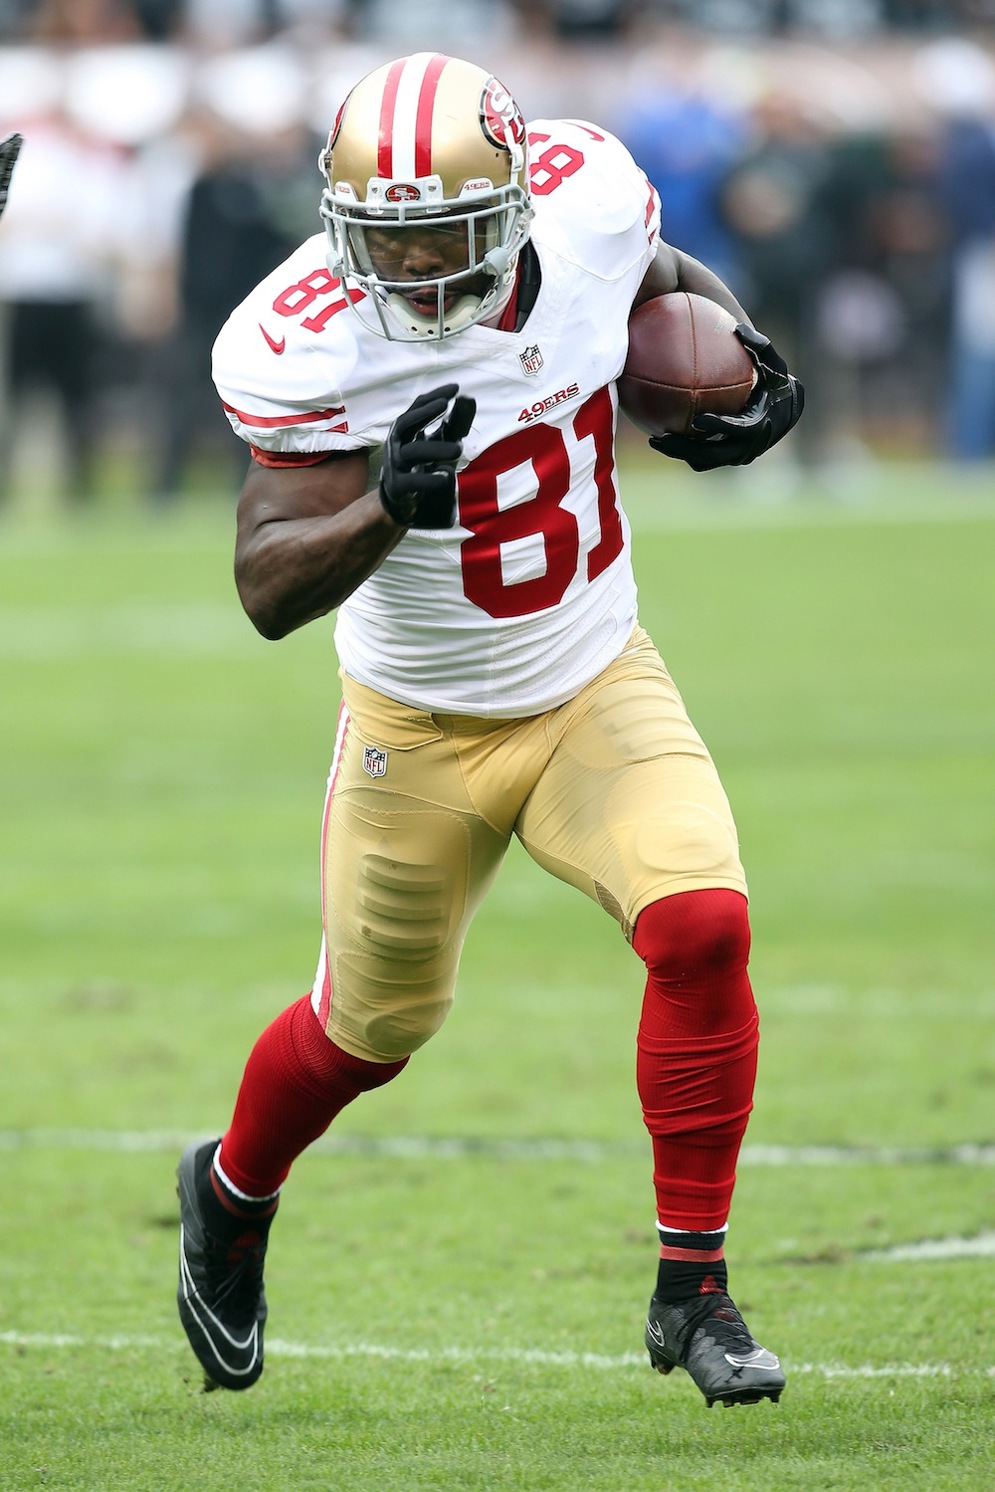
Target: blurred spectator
[(243, 216), (776, 203), (60, 241), (159, 20), (15, 16), (240, 22), (926, 15), (962, 81), (771, 17), (77, 22), (885, 312), (836, 18), (686, 142), (578, 20), (223, 24), (841, 19), (463, 27)]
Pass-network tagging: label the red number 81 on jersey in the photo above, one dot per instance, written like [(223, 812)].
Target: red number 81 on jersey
[(544, 448)]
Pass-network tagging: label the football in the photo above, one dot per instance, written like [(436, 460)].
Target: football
[(684, 360)]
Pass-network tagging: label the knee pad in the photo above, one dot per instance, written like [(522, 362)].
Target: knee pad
[(396, 937), (694, 934)]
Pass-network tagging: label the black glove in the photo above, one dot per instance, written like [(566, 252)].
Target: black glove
[(773, 407), (418, 481), (9, 146)]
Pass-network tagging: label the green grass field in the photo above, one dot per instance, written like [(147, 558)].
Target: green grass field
[(459, 1273)]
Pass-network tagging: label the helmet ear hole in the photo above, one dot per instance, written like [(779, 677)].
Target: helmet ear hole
[(427, 140)]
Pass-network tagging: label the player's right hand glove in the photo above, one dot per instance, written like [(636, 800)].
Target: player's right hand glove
[(775, 404), (9, 147), (418, 480)]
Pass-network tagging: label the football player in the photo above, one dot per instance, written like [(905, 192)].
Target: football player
[(428, 391)]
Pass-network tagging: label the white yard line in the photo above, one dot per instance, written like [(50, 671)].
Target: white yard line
[(981, 1246), (529, 1356), (459, 1147)]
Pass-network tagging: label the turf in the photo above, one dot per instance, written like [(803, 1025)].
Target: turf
[(448, 1311)]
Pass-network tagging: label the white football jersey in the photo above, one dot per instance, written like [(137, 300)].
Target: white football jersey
[(522, 603)]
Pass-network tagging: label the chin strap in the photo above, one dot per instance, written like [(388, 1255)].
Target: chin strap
[(499, 262), (496, 312), (457, 319)]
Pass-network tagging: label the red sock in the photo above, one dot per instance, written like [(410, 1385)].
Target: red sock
[(697, 1050), (296, 1081)]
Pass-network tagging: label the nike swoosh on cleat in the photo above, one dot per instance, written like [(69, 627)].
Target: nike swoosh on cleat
[(214, 1331), (272, 343), (758, 1358), (653, 1330)]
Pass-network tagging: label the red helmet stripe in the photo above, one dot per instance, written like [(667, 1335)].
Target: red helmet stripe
[(423, 117), (385, 146)]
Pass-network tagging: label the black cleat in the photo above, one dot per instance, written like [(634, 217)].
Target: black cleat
[(708, 1338), (220, 1295)]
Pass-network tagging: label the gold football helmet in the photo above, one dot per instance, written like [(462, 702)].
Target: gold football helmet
[(426, 205)]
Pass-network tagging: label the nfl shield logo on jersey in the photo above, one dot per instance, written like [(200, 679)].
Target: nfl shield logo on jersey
[(374, 761), (531, 359)]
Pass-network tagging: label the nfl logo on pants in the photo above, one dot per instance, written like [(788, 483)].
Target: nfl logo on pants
[(374, 761)]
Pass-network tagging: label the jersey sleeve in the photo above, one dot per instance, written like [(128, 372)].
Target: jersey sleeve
[(609, 210), (278, 379)]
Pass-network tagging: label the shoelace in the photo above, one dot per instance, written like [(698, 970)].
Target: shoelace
[(235, 1270), (730, 1328)]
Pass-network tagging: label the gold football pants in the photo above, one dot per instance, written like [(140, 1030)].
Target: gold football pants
[(613, 792)]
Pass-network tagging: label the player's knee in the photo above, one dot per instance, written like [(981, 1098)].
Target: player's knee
[(694, 933), (395, 933), (398, 1031), (386, 1008)]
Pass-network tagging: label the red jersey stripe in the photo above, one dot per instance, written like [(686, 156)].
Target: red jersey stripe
[(292, 458), (423, 117), (385, 145), (650, 204), (273, 421)]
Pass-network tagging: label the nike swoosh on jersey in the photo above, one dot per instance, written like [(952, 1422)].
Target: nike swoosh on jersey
[(271, 342)]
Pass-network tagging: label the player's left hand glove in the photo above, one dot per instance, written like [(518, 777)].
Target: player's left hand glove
[(775, 404), (418, 480), (9, 147)]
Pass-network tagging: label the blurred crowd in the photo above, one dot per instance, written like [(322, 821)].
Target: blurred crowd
[(834, 160)]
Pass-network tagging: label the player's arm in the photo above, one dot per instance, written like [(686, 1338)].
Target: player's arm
[(777, 400), (307, 536), (673, 270)]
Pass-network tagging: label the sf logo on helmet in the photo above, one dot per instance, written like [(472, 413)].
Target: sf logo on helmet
[(501, 116)]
